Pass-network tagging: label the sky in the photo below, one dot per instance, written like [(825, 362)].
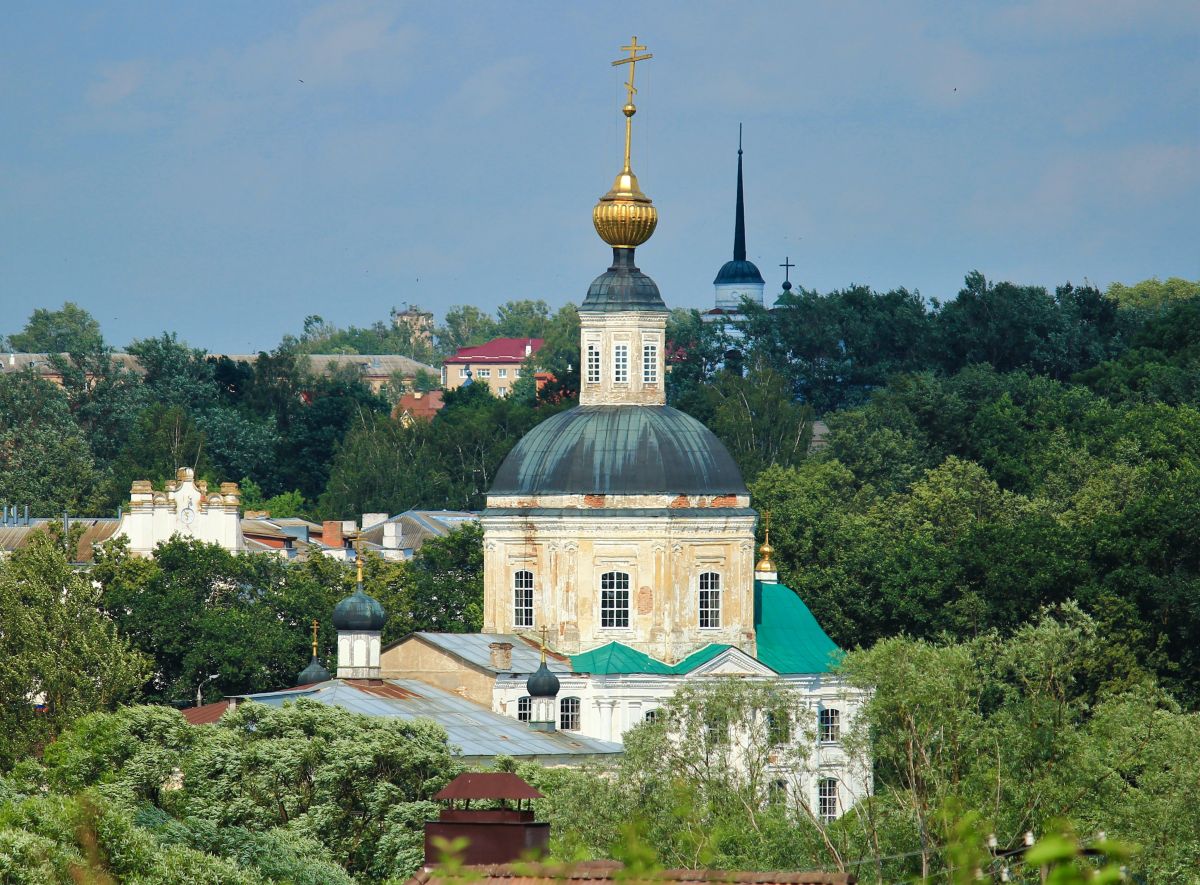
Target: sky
[(224, 169)]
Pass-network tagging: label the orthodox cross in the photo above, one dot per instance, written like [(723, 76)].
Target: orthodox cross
[(787, 266), (543, 631), (629, 110), (767, 527), (315, 625), (358, 547)]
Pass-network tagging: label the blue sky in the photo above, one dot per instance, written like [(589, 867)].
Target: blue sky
[(225, 169)]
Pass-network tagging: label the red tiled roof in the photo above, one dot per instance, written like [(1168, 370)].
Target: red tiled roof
[(488, 785), (419, 405), (206, 714), (498, 350), (610, 871)]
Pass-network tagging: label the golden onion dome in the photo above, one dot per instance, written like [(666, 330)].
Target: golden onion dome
[(625, 217)]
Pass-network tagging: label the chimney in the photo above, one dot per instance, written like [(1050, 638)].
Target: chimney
[(496, 835), (528, 348), (501, 655), (331, 533), (370, 519)]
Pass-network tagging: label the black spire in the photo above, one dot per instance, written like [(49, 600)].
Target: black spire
[(739, 225)]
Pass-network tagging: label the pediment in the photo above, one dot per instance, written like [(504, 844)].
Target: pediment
[(732, 662)]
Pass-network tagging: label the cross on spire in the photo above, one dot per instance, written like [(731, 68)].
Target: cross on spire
[(315, 625), (787, 266), (629, 110), (543, 630)]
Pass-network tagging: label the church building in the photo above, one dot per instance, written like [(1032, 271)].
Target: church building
[(623, 532)]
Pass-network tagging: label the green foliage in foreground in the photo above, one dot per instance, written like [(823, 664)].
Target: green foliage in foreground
[(306, 794), (59, 656), (1050, 727)]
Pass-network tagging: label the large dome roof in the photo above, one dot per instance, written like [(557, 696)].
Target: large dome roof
[(619, 450)]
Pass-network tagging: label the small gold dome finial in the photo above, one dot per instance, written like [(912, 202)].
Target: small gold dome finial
[(766, 564), (625, 217)]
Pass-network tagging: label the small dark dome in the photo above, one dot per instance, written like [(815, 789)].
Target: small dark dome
[(358, 611), (542, 684), (619, 450), (314, 672), (623, 287), (739, 272)]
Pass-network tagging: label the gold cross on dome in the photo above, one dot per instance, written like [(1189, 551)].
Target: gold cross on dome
[(633, 49), (315, 625), (358, 547)]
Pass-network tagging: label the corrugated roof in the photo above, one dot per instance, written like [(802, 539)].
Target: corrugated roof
[(488, 785), (206, 714), (475, 648), (95, 531), (474, 731), (789, 639)]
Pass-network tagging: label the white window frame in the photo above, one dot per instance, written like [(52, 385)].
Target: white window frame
[(570, 714), (501, 391), (649, 362), (522, 593), (502, 373), (651, 715), (483, 373), (593, 364), (829, 725), (525, 709), (620, 364), (614, 600), (827, 799), (709, 601), (462, 371)]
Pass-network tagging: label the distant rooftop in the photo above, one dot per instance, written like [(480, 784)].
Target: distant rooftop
[(498, 350)]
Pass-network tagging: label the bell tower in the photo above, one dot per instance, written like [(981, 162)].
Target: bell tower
[(623, 318)]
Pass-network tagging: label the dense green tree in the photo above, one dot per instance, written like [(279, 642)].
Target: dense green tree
[(559, 355), (176, 374), (70, 329), (60, 657), (304, 794), (199, 611), (522, 319), (1153, 293), (443, 586), (464, 325), (45, 461)]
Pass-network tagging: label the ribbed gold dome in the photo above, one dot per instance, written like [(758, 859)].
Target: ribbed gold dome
[(625, 217)]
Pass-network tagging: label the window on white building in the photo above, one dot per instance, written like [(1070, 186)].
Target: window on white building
[(828, 726), (568, 714), (827, 799), (593, 364), (524, 708), (523, 598), (614, 599), (710, 600), (779, 727), (778, 792), (621, 364), (651, 715), (649, 363), (716, 727)]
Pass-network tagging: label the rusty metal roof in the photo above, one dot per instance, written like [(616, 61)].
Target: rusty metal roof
[(614, 871), (95, 531), (488, 785)]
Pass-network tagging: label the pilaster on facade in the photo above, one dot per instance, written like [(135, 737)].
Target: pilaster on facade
[(185, 507)]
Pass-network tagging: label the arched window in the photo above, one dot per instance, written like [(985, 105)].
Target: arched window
[(828, 726), (827, 799), (593, 364), (621, 363), (710, 600), (651, 715), (778, 792), (523, 598), (568, 714), (614, 599), (524, 708), (649, 363)]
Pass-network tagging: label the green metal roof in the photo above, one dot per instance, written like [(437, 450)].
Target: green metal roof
[(618, 658), (789, 641), (789, 638)]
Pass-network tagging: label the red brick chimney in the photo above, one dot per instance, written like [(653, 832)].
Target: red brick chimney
[(331, 533)]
